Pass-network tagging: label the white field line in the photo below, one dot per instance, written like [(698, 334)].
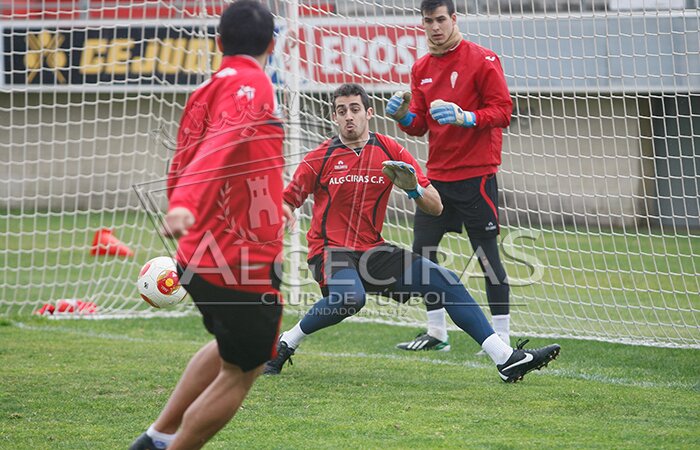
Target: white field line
[(408, 323), (90, 334), (564, 373), (549, 371)]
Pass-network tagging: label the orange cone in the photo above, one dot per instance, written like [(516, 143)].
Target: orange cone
[(105, 243)]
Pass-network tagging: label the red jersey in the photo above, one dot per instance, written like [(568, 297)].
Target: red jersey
[(227, 170), (471, 77), (350, 192)]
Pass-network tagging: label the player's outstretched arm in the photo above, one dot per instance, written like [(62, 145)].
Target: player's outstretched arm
[(430, 202), (403, 175)]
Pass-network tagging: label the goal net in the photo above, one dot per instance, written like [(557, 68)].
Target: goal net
[(599, 183)]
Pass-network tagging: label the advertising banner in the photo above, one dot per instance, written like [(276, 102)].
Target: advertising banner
[(157, 57)]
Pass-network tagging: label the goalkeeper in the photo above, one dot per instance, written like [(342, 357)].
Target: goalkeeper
[(350, 177), (460, 98)]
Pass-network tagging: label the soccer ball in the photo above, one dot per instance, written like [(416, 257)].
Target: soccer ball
[(158, 283)]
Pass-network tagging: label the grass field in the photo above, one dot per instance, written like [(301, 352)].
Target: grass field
[(604, 284), (87, 384), (83, 384)]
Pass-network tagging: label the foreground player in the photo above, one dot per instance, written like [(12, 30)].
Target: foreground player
[(460, 98), (225, 206), (350, 177)]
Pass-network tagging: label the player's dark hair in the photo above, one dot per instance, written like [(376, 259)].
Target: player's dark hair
[(246, 28), (348, 89), (428, 6)]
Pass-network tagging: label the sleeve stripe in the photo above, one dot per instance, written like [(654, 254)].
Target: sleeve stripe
[(310, 167)]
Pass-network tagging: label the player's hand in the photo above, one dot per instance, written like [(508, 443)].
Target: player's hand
[(177, 221), (402, 174), (288, 213), (447, 113), (397, 108)]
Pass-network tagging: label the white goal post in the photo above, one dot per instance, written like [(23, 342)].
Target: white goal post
[(600, 187)]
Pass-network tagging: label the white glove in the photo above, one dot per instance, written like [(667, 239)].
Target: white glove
[(447, 113), (402, 174)]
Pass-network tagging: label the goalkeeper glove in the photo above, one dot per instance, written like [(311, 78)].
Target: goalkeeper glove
[(403, 175), (447, 113), (397, 108)]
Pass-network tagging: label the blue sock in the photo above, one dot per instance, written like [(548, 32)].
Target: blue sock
[(346, 296), (437, 284)]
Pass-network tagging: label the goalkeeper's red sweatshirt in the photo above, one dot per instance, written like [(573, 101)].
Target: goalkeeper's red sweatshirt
[(227, 170), (471, 77), (350, 192)]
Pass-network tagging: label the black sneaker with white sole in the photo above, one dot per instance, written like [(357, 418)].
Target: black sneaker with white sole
[(145, 442), (424, 341), (524, 361), (284, 354)]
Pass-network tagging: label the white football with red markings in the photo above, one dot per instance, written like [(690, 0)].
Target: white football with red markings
[(159, 284)]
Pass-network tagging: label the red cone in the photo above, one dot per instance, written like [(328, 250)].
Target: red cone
[(105, 243), (75, 306), (67, 306), (47, 309)]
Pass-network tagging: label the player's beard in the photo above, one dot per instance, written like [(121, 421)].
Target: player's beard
[(351, 135)]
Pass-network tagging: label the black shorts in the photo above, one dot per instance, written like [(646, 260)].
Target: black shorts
[(245, 324), (379, 268), (470, 203)]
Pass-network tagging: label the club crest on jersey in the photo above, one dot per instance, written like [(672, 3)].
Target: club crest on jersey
[(453, 79), (247, 92), (340, 166)]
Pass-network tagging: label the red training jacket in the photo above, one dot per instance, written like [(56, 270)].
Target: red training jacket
[(471, 77), (227, 170), (350, 192)]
